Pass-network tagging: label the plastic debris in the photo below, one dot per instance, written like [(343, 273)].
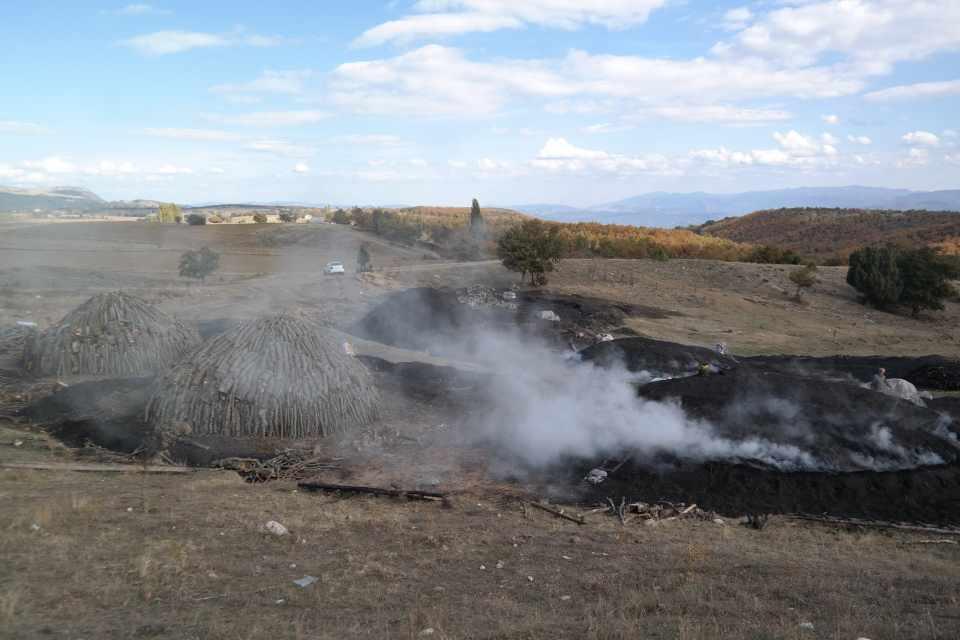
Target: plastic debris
[(596, 476), (305, 581), (276, 528)]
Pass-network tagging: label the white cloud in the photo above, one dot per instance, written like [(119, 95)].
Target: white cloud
[(559, 155), (140, 10), (949, 133), (924, 138), (915, 158), (109, 168), (860, 140), (915, 91), (716, 113), (871, 34), (418, 162), (24, 128), (457, 164), (281, 148), (301, 167), (51, 164), (206, 135), (437, 80), (172, 169), (161, 43), (280, 82), (382, 140), (272, 118), (439, 18), (737, 19), (605, 127), (217, 170), (796, 150), (831, 119)]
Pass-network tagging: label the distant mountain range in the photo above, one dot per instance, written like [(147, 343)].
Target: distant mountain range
[(76, 198), (662, 209)]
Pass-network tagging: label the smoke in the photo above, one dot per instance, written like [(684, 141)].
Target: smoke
[(542, 406)]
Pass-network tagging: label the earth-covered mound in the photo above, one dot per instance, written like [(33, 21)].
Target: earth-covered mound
[(833, 426), (657, 357), (926, 372)]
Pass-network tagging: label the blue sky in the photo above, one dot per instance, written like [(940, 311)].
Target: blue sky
[(439, 101)]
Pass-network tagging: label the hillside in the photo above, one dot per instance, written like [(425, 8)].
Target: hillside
[(831, 234), (56, 198)]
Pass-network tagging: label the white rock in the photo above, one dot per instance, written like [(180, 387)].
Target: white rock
[(549, 315), (564, 598), (276, 528), (426, 632), (500, 564), (806, 625)]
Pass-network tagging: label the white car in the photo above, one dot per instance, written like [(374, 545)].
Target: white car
[(334, 269)]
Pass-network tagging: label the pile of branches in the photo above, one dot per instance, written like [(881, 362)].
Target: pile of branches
[(113, 334), (290, 464), (277, 377), (653, 513), (13, 343)]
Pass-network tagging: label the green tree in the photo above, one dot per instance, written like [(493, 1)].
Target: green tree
[(874, 272), (926, 279), (478, 226), (531, 247), (196, 219), (169, 213), (260, 218), (199, 264), (340, 217), (288, 216), (363, 259), (804, 278)]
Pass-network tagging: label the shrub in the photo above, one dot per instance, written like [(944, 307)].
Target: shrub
[(804, 278), (363, 259), (260, 218), (199, 264), (196, 219), (874, 273), (288, 216)]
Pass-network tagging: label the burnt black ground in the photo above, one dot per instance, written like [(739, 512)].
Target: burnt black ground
[(843, 426), (926, 495), (926, 372), (655, 356)]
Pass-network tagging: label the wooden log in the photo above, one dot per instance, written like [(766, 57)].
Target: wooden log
[(877, 524), (376, 491), (560, 513), (97, 468)]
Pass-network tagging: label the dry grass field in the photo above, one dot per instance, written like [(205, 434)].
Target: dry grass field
[(152, 556), (91, 556)]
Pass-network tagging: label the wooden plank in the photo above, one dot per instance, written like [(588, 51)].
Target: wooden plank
[(377, 491), (93, 468)]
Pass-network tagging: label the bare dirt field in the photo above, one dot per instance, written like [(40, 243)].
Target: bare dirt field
[(110, 555)]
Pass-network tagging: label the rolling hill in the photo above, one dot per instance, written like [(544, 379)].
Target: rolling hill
[(54, 198), (831, 234)]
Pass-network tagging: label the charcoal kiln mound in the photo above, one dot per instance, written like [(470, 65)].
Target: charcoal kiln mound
[(831, 426), (928, 495), (13, 344), (425, 318), (434, 319), (112, 334), (432, 383), (107, 413), (278, 377), (925, 372), (656, 357)]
